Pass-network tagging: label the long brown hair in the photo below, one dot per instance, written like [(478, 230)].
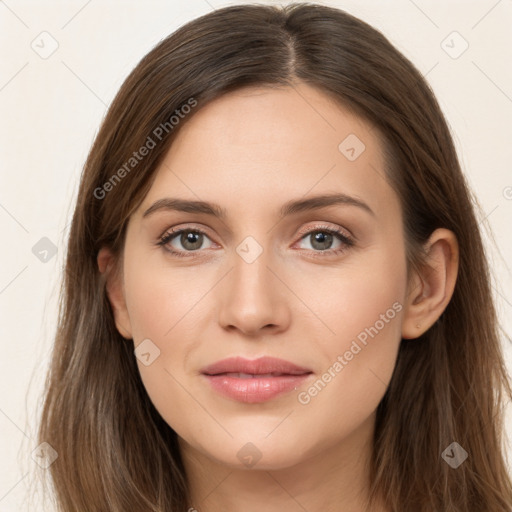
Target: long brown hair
[(115, 452)]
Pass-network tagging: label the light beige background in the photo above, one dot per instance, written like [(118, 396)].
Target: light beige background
[(51, 109)]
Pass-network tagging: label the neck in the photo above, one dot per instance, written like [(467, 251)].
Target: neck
[(335, 479)]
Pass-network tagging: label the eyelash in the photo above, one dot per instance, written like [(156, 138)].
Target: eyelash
[(346, 240)]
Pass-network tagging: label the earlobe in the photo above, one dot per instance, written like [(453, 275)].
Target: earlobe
[(431, 288), (115, 292)]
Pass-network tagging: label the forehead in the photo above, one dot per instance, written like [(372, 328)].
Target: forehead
[(263, 145)]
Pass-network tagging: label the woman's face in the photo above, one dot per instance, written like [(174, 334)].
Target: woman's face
[(317, 283)]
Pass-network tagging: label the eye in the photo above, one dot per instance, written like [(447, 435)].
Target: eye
[(189, 239), (186, 241), (322, 238)]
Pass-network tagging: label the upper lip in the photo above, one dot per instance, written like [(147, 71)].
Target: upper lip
[(262, 365)]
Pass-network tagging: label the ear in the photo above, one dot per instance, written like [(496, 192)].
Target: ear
[(431, 289), (115, 291)]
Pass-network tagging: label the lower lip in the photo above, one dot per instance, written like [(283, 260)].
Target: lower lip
[(256, 389)]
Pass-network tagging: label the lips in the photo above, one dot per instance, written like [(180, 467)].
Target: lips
[(254, 381), (264, 366)]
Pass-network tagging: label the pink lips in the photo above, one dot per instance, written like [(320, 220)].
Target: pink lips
[(254, 381)]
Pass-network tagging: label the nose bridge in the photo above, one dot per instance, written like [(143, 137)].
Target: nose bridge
[(250, 271), (250, 280), (252, 298)]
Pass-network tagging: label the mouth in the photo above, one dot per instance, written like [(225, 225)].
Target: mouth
[(254, 375), (254, 381), (263, 366)]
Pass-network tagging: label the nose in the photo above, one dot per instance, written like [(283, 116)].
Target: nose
[(253, 300)]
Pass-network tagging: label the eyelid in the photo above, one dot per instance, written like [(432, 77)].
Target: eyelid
[(185, 227), (333, 228)]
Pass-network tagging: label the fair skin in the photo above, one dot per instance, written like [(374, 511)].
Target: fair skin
[(250, 152)]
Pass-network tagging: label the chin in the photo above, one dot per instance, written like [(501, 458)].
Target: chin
[(255, 453)]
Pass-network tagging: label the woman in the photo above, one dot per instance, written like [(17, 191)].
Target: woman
[(276, 295)]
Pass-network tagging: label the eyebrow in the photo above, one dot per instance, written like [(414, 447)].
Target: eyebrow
[(289, 208)]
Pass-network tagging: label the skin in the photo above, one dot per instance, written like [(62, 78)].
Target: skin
[(250, 152)]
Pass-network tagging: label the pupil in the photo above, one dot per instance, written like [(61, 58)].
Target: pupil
[(322, 238), (190, 238)]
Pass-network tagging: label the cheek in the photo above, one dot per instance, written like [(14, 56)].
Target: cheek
[(364, 309), (365, 291), (171, 308), (163, 307), (161, 302)]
